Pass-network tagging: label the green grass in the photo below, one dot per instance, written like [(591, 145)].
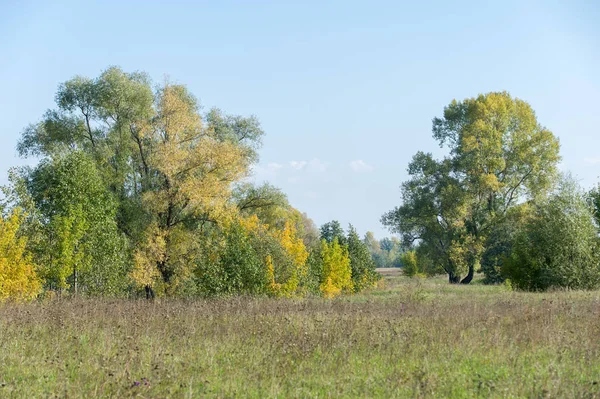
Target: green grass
[(413, 338)]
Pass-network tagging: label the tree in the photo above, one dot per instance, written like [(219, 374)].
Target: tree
[(391, 249), (499, 242), (337, 274), (361, 263), (499, 156), (416, 262), (18, 278), (385, 253), (375, 249), (310, 233), (332, 230), (594, 199), (192, 171), (314, 265), (249, 257), (296, 251), (270, 211), (233, 264), (409, 260), (78, 245), (387, 244), (138, 188), (425, 263), (170, 169), (268, 203), (272, 208), (559, 245), (432, 213)]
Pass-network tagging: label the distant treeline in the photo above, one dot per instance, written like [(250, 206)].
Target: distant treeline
[(386, 252), (138, 192)]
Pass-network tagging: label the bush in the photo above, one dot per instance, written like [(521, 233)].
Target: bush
[(558, 246), (498, 244), (409, 260), (246, 257)]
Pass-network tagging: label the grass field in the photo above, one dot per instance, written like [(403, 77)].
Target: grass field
[(410, 338)]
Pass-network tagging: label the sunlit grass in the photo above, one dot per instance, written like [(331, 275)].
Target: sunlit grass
[(411, 338)]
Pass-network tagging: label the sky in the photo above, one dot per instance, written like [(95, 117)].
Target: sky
[(345, 91)]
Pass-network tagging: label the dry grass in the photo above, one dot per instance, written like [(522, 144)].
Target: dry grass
[(415, 338)]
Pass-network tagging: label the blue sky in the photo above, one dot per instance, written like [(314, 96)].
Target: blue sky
[(345, 91)]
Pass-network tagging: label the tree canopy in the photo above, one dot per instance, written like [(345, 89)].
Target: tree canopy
[(558, 246), (499, 156), (138, 190)]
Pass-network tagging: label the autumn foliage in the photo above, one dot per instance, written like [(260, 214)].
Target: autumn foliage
[(337, 275), (18, 278), (139, 192)]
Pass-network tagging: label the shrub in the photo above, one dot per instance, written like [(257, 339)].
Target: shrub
[(558, 246), (233, 265), (248, 257), (498, 244), (409, 260)]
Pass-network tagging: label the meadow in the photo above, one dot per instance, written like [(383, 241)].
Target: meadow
[(406, 338)]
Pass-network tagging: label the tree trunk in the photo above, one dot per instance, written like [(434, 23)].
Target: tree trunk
[(149, 293), (469, 276), (75, 280), (453, 278), (165, 272)]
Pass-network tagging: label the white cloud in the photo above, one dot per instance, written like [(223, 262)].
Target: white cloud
[(361, 166), (274, 166), (592, 160), (298, 165), (314, 165), (293, 171)]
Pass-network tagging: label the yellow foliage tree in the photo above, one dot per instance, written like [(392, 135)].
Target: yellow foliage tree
[(294, 252), (337, 274), (145, 273), (295, 249), (251, 223), (274, 288), (18, 279), (192, 169)]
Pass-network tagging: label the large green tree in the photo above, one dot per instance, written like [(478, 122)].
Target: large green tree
[(499, 155), (72, 226), (170, 168)]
